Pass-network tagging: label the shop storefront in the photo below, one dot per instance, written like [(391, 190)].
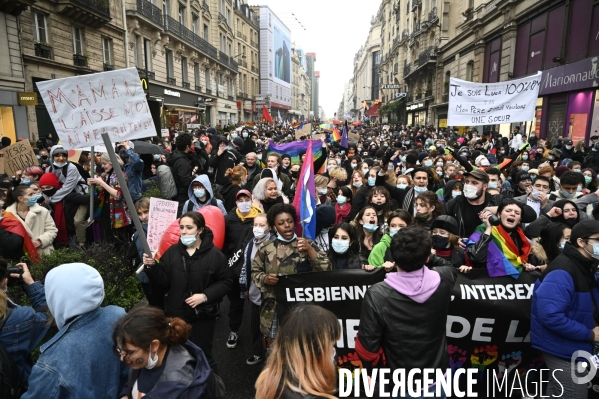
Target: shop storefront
[(417, 113), (13, 114), (174, 109)]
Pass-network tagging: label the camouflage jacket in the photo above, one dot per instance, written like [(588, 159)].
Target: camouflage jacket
[(286, 262)]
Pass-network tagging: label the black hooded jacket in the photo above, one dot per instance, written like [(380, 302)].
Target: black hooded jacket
[(206, 273), (181, 164)]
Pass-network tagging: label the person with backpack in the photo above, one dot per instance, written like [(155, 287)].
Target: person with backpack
[(200, 194), (22, 328), (181, 164)]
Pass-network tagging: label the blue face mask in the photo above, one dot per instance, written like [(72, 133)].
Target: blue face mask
[(156, 157), (428, 164), (492, 184), (199, 192), (440, 174), (26, 182), (562, 245), (341, 199), (525, 157), (392, 232), (33, 200), (280, 237), (340, 246), (566, 194), (525, 168), (245, 135), (595, 253), (439, 163), (59, 165), (188, 240), (420, 189), (358, 184), (403, 159), (371, 227), (579, 189), (402, 186), (234, 135), (371, 181)]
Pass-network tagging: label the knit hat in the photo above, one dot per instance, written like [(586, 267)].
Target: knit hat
[(446, 222), (325, 217), (238, 141), (412, 158), (584, 229), (521, 176), (560, 170), (49, 179)]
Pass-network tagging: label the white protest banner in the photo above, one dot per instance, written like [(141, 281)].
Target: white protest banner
[(162, 214), (492, 103), (83, 107)]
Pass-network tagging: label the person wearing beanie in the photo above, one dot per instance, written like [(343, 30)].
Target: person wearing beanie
[(445, 238), (563, 306), (325, 219), (74, 294)]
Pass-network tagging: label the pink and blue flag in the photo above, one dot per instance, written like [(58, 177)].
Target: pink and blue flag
[(305, 200)]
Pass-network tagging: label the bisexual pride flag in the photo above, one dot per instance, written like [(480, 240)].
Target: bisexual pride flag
[(305, 199)]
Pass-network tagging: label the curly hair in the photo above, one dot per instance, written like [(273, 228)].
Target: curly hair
[(278, 209), (430, 199)]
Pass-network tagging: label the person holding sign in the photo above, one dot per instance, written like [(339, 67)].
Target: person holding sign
[(37, 220)]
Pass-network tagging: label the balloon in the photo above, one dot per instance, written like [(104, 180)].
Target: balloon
[(215, 221)]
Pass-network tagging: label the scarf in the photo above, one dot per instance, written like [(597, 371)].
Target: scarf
[(12, 224), (503, 257), (61, 224), (341, 213), (444, 253), (254, 211)]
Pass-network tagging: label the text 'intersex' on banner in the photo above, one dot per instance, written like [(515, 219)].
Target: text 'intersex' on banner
[(82, 108), (511, 101)]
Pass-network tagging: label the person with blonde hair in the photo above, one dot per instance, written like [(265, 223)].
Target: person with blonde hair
[(111, 207), (238, 176), (302, 361)]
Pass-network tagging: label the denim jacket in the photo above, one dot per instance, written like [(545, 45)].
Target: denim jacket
[(134, 169), (25, 329), (78, 362)]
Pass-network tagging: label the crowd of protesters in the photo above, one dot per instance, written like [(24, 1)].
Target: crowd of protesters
[(420, 202)]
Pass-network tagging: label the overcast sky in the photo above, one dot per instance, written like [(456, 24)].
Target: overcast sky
[(335, 30)]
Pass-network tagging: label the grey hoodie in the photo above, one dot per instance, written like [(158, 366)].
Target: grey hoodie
[(209, 194), (71, 182)]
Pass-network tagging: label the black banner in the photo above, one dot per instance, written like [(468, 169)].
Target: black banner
[(488, 325)]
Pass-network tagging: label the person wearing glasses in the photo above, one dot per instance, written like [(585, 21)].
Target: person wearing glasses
[(564, 303), (163, 362)]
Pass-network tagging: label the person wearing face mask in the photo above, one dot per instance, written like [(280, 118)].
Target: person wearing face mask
[(304, 350), (36, 220), (569, 182), (380, 256), (162, 360), (563, 211), (49, 184), (405, 198), (452, 189), (444, 235), (324, 194), (343, 247), (548, 246), (84, 332), (368, 231), (249, 144), (427, 207), (343, 205), (566, 148), (238, 177), (200, 194), (196, 275), (538, 198), (287, 254), (563, 306)]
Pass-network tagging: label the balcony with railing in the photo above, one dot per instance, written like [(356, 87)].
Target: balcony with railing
[(208, 91), (149, 11), (407, 69), (205, 5), (171, 81), (15, 7), (230, 98), (244, 63), (185, 85), (432, 15), (43, 50), (254, 69), (198, 89), (108, 67), (174, 27), (144, 73), (253, 43), (405, 35), (221, 17), (93, 13), (428, 55), (228, 61), (79, 60), (396, 42), (241, 35)]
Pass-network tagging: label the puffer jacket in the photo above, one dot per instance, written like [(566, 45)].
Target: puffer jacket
[(562, 307), (207, 273)]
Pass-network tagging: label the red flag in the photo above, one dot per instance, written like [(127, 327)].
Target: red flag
[(266, 115)]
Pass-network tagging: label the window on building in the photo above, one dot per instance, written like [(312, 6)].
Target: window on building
[(184, 76), (221, 7), (207, 77), (229, 17), (107, 51), (470, 71), (166, 7), (138, 51), (446, 83), (148, 54), (196, 74), (41, 28), (222, 42), (170, 70), (206, 33), (182, 14), (194, 23), (230, 87), (78, 40)]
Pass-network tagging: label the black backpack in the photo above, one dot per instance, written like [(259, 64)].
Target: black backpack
[(190, 205), (9, 375)]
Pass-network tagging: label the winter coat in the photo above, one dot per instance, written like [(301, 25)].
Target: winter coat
[(208, 274), (134, 170), (358, 201), (12, 245), (563, 303), (68, 176), (39, 225), (182, 168), (192, 204), (236, 230), (455, 207), (229, 194), (186, 375), (228, 159)]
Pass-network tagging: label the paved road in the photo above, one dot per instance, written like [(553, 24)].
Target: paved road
[(238, 377)]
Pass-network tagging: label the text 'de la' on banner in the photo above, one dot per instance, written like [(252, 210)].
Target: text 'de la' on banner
[(82, 108), (511, 101), (488, 322)]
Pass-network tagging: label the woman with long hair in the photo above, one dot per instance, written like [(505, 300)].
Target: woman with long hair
[(111, 209), (368, 231), (563, 211), (381, 255), (343, 204), (445, 237), (196, 275), (344, 250), (37, 220), (428, 207), (359, 187), (548, 246), (163, 362), (380, 199), (238, 177), (301, 364)]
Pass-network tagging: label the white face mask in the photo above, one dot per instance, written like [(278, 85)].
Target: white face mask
[(259, 232), (470, 191), (152, 361), (244, 207)]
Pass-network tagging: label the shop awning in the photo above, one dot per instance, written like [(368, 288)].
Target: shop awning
[(374, 110)]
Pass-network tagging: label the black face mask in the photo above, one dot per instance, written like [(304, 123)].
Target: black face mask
[(379, 207), (440, 242), (51, 192), (295, 174)]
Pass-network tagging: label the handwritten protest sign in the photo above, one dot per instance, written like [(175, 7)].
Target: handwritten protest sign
[(304, 131), (84, 107), (162, 214), (18, 156), (1, 165), (492, 103)]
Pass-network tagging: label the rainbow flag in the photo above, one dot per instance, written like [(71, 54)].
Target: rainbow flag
[(502, 254), (295, 150), (326, 127), (297, 125), (335, 136), (249, 125)]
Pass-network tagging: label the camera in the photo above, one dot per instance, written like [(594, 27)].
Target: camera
[(12, 281), (494, 220)]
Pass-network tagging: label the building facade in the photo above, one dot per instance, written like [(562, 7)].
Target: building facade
[(311, 72), (367, 63), (247, 45)]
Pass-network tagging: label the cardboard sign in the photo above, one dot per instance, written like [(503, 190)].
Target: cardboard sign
[(475, 104), (164, 132), (304, 131), (1, 165), (162, 214), (84, 107), (74, 155), (353, 137), (18, 156)]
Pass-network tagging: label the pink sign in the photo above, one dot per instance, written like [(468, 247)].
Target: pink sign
[(162, 214)]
